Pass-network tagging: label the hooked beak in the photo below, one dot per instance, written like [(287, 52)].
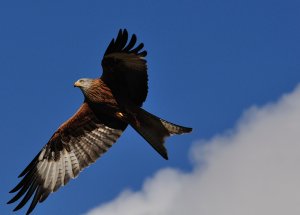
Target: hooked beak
[(77, 84)]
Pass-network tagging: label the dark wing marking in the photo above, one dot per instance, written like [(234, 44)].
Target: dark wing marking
[(75, 145), (125, 69)]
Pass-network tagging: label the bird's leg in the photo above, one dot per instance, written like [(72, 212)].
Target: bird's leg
[(120, 115), (132, 115)]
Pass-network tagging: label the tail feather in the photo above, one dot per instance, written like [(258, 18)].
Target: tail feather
[(155, 130), (175, 129)]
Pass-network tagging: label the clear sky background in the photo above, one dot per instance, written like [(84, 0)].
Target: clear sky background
[(208, 61)]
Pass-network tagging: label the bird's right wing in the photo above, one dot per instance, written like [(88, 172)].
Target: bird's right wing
[(75, 145), (125, 69)]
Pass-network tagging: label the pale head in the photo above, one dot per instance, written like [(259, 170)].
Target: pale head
[(89, 87), (84, 83)]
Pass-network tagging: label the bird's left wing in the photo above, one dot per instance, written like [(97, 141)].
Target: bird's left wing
[(75, 145)]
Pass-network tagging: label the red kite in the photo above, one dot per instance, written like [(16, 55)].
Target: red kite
[(111, 102)]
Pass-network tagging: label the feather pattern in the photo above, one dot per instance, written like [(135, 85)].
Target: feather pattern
[(125, 69), (63, 157)]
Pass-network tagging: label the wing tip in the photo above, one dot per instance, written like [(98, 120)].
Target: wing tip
[(165, 156), (10, 202), (188, 130), (12, 191), (119, 44)]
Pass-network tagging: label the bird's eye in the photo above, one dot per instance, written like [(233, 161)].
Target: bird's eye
[(80, 80)]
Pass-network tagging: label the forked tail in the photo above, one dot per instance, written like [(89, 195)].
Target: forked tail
[(154, 130)]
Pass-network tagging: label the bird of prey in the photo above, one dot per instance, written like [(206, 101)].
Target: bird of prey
[(111, 103)]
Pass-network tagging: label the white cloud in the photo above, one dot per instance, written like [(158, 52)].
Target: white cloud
[(252, 169)]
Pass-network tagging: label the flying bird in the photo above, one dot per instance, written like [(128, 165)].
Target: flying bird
[(111, 103)]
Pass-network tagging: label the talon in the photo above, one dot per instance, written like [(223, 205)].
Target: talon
[(120, 115)]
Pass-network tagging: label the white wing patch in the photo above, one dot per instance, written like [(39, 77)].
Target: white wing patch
[(85, 151), (57, 164)]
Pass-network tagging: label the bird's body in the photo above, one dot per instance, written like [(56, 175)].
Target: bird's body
[(111, 103)]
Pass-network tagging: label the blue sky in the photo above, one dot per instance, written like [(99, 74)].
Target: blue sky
[(208, 62)]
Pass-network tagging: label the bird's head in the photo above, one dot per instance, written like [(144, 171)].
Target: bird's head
[(83, 83), (89, 87)]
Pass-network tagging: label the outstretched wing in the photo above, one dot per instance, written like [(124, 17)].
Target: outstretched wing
[(125, 69), (75, 145)]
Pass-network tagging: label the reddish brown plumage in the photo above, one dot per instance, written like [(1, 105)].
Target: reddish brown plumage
[(111, 103), (99, 92)]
